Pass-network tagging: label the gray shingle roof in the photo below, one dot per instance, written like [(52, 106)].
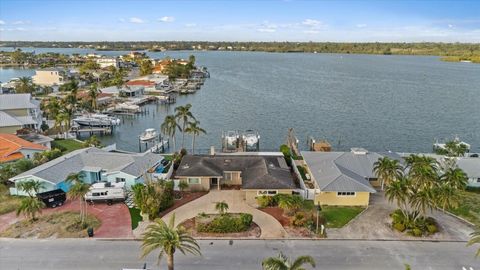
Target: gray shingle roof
[(16, 101), (471, 166), (257, 172), (7, 120), (58, 169), (342, 171)]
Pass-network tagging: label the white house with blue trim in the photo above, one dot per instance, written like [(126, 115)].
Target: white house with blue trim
[(96, 165)]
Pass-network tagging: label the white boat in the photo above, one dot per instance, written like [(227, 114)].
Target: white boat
[(438, 145), (127, 106), (230, 140), (91, 121), (148, 135), (114, 120), (251, 140)]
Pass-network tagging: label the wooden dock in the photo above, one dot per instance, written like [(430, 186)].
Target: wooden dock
[(92, 130)]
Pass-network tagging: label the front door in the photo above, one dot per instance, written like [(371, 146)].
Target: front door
[(214, 182)]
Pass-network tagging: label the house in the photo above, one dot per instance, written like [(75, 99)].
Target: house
[(342, 178), (95, 165), (108, 62), (14, 148), (151, 83), (146, 84), (19, 111), (49, 77), (257, 174), (37, 138), (127, 91), (471, 167)]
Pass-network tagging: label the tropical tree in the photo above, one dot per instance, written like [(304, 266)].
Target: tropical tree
[(455, 177), (398, 191), (62, 122), (221, 207), (281, 262), (194, 129), (184, 114), (446, 196), (30, 206), (422, 201), (93, 94), (168, 239), (387, 170), (78, 190), (31, 187), (183, 185), (475, 239), (169, 128), (24, 85), (146, 67), (52, 107)]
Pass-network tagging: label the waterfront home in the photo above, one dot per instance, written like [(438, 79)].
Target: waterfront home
[(36, 138), (19, 111), (151, 83), (49, 77), (342, 178), (257, 174), (146, 84), (105, 62), (9, 87), (124, 91), (95, 165), (13, 148), (471, 166)]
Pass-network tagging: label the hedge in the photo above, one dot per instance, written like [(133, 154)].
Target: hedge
[(227, 223)]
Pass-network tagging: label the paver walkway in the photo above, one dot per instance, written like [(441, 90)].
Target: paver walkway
[(269, 226), (115, 218), (374, 223)]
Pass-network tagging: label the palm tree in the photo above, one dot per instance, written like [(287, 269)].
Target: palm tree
[(24, 85), (422, 171), (31, 187), (184, 114), (195, 130), (455, 177), (221, 207), (283, 263), (78, 191), (52, 108), (422, 200), (168, 238), (62, 121), (30, 206), (475, 240), (169, 128), (446, 196), (388, 170), (93, 94), (398, 191)]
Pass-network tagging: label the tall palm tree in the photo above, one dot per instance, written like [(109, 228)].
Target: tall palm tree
[(24, 85), (62, 121), (422, 201), (388, 170), (455, 177), (398, 191), (281, 262), (31, 187), (423, 171), (194, 129), (221, 207), (184, 114), (475, 240), (168, 238), (30, 206), (93, 94), (446, 196), (78, 191), (169, 128), (52, 108)]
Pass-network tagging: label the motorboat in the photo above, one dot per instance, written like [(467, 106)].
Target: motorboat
[(148, 135), (114, 120), (91, 121), (230, 140), (442, 146), (251, 140)]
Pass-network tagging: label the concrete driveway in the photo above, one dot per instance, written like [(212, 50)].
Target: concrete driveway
[(270, 227), (374, 223)]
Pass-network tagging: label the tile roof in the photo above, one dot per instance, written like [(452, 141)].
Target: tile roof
[(257, 172), (342, 171), (10, 146)]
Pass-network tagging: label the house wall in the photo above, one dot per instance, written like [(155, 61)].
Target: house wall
[(236, 179), (473, 182), (47, 186), (204, 184), (29, 153), (17, 112), (129, 179), (10, 129), (252, 194), (331, 198), (47, 78)]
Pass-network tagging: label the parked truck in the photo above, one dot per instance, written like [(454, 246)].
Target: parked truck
[(53, 198)]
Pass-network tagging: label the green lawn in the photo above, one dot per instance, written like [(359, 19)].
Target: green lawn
[(469, 207), (338, 216), (67, 145), (135, 217)]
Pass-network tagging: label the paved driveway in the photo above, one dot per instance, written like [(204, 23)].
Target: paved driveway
[(374, 223), (269, 226)]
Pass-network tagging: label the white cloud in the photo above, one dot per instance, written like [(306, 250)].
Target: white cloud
[(121, 20), (361, 25), (451, 26), (312, 23), (20, 29), (135, 20), (2, 22), (311, 31), (267, 27), (167, 19), (190, 24), (267, 30), (20, 22)]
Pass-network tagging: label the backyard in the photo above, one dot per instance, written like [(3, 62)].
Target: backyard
[(67, 145), (469, 206)]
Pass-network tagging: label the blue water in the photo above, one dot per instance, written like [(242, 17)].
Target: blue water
[(378, 102)]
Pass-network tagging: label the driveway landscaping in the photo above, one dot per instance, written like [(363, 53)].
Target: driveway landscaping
[(115, 219), (269, 226), (375, 223)]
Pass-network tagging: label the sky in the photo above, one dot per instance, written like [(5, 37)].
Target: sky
[(222, 20)]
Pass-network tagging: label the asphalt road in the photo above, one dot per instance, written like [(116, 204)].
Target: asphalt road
[(246, 254)]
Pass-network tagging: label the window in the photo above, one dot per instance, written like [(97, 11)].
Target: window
[(266, 192), (346, 194), (119, 179), (478, 180), (193, 181)]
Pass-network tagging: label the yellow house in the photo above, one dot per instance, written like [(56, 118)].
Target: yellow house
[(257, 174), (342, 178), (48, 77)]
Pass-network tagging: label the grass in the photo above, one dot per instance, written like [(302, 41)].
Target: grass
[(339, 216), (8, 203), (135, 217), (58, 224), (67, 145), (302, 172), (469, 207), (168, 157)]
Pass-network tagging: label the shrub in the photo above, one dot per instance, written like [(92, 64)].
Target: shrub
[(432, 229), (246, 219), (417, 232), (264, 201), (299, 219), (399, 227), (228, 223)]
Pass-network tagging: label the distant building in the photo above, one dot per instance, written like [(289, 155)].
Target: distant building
[(19, 111), (49, 77), (37, 138), (13, 148), (127, 91), (108, 62), (151, 83)]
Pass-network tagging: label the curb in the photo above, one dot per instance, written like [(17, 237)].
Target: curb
[(459, 218)]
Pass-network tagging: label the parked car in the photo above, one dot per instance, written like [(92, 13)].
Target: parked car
[(105, 192), (53, 198)]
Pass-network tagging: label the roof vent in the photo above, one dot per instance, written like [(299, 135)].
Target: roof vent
[(359, 151), (227, 162)]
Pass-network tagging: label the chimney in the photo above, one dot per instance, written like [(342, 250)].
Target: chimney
[(212, 150)]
